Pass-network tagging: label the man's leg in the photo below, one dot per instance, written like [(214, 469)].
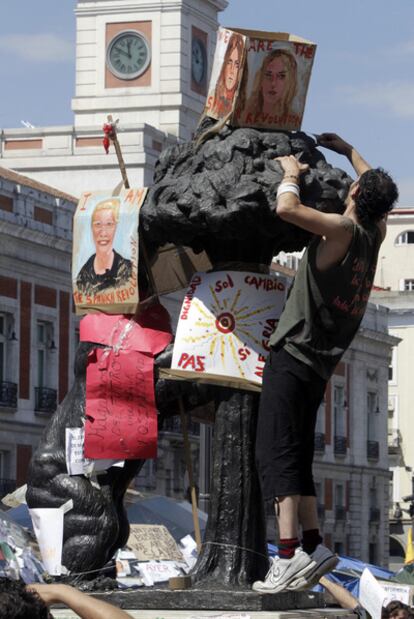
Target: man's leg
[(278, 454)]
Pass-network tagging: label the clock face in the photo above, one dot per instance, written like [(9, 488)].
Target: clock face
[(128, 55), (198, 61)]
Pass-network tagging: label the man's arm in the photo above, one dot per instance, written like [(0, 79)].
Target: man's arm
[(82, 604), (336, 143), (344, 598), (289, 208)]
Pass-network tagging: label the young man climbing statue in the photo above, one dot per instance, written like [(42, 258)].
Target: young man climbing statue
[(322, 314)]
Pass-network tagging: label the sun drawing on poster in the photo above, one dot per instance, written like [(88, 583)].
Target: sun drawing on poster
[(228, 327)]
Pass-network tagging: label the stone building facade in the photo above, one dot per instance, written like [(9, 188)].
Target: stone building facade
[(37, 324)]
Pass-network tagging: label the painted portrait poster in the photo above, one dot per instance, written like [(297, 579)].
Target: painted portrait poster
[(105, 252), (275, 82), (225, 323), (226, 73), (260, 79)]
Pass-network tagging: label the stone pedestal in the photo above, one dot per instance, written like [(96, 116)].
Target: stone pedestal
[(220, 600)]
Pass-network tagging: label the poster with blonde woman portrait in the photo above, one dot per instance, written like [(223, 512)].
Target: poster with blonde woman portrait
[(260, 79), (276, 83), (105, 252)]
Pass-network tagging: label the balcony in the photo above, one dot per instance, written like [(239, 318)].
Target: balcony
[(372, 450), (340, 445), (8, 394), (7, 486), (45, 400), (340, 512), (319, 441), (374, 514), (394, 441)]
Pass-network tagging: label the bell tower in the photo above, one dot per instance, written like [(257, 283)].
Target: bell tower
[(146, 62)]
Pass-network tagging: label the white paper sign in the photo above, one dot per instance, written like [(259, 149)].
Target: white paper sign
[(224, 327), (157, 571), (48, 528), (76, 463), (371, 594), (397, 591)]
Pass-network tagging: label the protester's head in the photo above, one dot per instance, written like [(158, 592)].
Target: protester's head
[(374, 194), (396, 610), (17, 602), (104, 220), (274, 84)]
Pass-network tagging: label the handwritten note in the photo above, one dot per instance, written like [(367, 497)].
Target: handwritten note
[(121, 418), (153, 572), (153, 542)]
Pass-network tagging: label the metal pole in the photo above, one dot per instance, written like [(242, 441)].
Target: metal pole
[(205, 466)]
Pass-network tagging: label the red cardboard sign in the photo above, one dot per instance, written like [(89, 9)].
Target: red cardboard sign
[(121, 417)]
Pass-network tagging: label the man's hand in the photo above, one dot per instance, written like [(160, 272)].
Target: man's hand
[(291, 166), (337, 144), (334, 142)]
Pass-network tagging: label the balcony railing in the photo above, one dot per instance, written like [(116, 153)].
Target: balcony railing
[(319, 441), (372, 450), (6, 486), (340, 512), (45, 399), (340, 445), (394, 441), (8, 394), (374, 514)]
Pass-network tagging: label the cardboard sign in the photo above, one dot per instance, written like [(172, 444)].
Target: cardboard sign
[(153, 542), (260, 79), (224, 327), (121, 418), (105, 252), (173, 266)]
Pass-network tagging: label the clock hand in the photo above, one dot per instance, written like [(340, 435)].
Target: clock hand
[(121, 51)]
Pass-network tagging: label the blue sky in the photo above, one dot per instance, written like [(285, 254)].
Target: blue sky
[(362, 84)]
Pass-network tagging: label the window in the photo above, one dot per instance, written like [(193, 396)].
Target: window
[(408, 284), (405, 238), (339, 410), (339, 495), (45, 345), (392, 368), (3, 343), (372, 407)]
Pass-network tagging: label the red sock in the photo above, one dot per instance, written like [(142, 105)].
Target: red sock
[(310, 539), (287, 547)]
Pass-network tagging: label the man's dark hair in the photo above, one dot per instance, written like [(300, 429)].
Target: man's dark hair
[(16, 602), (376, 196), (392, 607)]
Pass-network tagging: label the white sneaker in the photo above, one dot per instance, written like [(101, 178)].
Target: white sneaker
[(325, 561), (284, 571)]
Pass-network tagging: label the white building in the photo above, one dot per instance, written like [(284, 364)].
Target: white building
[(395, 276), (157, 95)]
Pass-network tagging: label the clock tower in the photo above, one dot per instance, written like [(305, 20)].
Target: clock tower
[(146, 62)]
